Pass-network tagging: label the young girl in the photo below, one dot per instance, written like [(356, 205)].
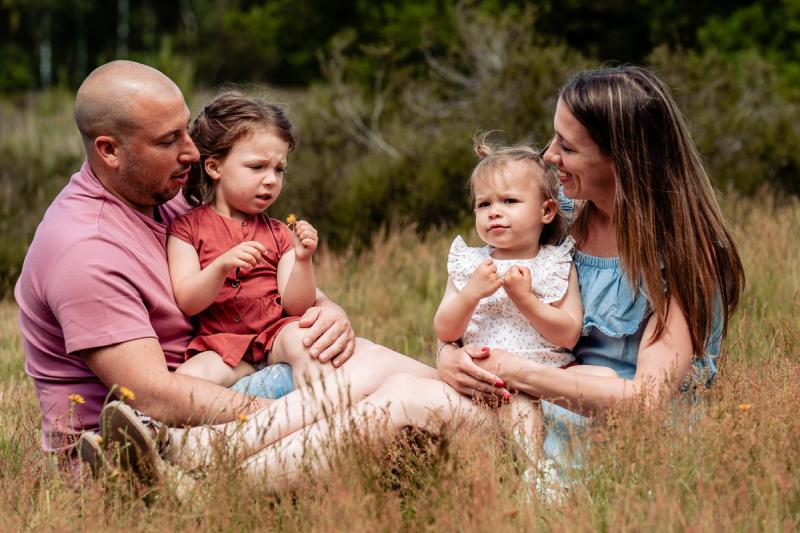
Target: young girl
[(520, 292), (244, 276)]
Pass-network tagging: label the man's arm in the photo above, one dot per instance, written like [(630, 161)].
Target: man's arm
[(173, 399)]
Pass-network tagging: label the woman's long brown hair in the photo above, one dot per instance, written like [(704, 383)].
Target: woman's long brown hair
[(671, 235)]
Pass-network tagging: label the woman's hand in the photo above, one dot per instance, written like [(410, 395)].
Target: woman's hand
[(330, 336), (457, 368), (506, 366)]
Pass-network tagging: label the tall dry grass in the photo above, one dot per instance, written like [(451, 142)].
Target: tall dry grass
[(730, 461)]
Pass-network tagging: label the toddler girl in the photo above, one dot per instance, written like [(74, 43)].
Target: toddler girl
[(520, 292), (244, 276)]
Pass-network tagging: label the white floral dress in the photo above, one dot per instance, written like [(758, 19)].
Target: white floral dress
[(496, 321)]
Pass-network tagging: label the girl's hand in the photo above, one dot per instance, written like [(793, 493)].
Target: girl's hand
[(483, 282), (457, 369), (244, 255), (305, 240), (517, 282)]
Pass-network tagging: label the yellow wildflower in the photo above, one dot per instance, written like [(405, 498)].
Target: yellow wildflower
[(75, 398), (126, 394), (242, 418), (744, 406), (291, 220)]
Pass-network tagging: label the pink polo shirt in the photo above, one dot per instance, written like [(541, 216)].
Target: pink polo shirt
[(95, 274)]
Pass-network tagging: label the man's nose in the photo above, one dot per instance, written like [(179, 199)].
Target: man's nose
[(190, 153)]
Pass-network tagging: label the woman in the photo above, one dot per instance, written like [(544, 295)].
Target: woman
[(659, 273)]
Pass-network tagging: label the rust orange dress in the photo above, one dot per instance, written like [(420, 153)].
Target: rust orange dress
[(247, 314)]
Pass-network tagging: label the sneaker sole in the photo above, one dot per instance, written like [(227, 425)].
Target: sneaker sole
[(137, 447), (90, 452)]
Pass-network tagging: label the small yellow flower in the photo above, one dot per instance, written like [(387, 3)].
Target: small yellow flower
[(242, 418), (744, 406), (126, 394), (291, 220), (99, 440), (76, 398)]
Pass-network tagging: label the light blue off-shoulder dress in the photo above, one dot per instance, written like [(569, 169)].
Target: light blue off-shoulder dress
[(614, 318)]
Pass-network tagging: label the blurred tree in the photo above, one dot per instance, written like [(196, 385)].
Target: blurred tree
[(627, 31), (771, 27)]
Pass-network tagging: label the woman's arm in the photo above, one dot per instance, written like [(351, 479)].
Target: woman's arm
[(195, 288), (559, 322), (661, 368), (296, 282)]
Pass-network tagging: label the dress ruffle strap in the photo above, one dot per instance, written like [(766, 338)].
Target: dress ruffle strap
[(550, 272), (609, 302)]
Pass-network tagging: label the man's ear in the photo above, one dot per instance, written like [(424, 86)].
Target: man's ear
[(549, 211), (211, 166), (107, 149)]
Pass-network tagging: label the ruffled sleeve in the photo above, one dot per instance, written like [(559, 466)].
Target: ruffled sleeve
[(550, 276), (463, 260), (609, 302)]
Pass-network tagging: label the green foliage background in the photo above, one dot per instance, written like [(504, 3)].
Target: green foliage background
[(387, 95)]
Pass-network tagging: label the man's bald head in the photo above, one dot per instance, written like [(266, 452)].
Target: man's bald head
[(110, 97)]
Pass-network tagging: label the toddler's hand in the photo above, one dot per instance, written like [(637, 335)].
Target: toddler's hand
[(305, 240), (517, 282), (483, 282), (244, 255)]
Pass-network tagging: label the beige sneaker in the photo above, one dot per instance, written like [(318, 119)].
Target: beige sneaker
[(138, 438), (90, 452)]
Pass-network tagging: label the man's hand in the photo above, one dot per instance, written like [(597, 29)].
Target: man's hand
[(457, 369), (330, 336), (305, 240), (517, 282), (483, 282)]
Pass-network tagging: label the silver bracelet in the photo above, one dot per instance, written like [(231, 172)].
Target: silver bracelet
[(442, 345)]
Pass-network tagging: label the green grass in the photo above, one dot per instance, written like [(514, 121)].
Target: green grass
[(732, 462)]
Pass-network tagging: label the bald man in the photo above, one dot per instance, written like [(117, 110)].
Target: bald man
[(96, 305)]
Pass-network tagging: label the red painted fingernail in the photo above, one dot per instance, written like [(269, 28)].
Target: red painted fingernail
[(484, 349), (499, 383)]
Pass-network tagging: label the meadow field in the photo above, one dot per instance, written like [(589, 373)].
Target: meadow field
[(731, 462)]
